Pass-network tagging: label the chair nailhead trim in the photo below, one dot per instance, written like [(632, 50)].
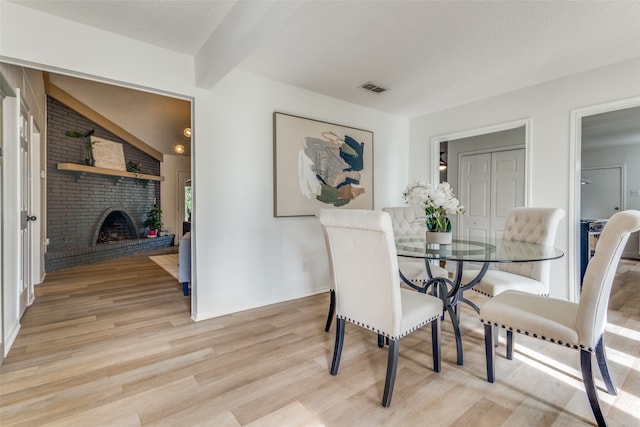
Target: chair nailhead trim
[(543, 337), (377, 331)]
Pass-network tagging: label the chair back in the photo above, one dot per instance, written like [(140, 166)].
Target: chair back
[(365, 268), (407, 219), (598, 279), (326, 242), (536, 225)]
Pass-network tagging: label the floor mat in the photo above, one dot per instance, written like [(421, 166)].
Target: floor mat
[(168, 262)]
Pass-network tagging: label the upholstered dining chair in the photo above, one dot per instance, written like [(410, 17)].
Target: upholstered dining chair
[(404, 220), (365, 268), (537, 225), (578, 326), (410, 220)]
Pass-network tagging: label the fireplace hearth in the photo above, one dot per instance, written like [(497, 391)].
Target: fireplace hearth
[(116, 226)]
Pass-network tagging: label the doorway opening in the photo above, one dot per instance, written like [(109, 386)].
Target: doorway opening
[(471, 151), (604, 154)]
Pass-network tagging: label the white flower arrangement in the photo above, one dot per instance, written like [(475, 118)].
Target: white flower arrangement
[(437, 201)]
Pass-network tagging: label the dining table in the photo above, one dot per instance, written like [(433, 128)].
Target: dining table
[(481, 251)]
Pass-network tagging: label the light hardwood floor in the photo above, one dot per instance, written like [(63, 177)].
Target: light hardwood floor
[(113, 344)]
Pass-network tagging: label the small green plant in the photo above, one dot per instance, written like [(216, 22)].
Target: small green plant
[(88, 144), (154, 218), (133, 167)]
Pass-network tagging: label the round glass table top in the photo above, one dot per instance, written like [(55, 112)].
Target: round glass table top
[(475, 249)]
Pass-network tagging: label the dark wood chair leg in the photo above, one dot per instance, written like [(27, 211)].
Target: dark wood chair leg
[(435, 345), (590, 387), (509, 345), (185, 288), (380, 340), (337, 349), (601, 357), (332, 309), (456, 330), (489, 350), (392, 366)]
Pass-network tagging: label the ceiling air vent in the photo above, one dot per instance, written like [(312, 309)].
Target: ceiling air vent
[(371, 87)]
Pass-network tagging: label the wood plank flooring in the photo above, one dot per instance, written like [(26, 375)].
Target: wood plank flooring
[(112, 344)]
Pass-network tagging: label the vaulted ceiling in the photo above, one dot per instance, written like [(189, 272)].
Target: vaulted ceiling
[(430, 55)]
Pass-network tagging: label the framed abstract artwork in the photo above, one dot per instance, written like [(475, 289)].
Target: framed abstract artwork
[(319, 165)]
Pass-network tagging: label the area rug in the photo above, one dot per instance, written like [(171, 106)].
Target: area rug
[(169, 263)]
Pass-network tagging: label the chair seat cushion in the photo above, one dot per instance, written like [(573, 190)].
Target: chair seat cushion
[(417, 310), (414, 269), (495, 282), (541, 317)]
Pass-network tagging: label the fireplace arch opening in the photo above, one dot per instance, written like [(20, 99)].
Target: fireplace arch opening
[(115, 226)]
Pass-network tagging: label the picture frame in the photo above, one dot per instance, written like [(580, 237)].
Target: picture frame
[(108, 154), (319, 165)]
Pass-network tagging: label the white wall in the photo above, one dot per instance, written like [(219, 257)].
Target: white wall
[(549, 106), (250, 257), (243, 256)]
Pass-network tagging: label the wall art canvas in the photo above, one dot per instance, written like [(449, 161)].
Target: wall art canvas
[(108, 154), (319, 165)]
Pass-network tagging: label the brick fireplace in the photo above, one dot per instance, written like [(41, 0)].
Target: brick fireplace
[(93, 217)]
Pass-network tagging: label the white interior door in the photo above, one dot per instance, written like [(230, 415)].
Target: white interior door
[(475, 195), (25, 213), (35, 228), (491, 184), (602, 196), (507, 186)]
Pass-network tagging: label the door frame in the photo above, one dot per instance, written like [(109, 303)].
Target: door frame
[(575, 160), (436, 140), (180, 195)]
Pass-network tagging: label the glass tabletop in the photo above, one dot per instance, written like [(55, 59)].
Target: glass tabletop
[(475, 250)]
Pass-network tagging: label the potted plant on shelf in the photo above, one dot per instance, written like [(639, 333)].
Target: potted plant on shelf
[(88, 144), (154, 221)]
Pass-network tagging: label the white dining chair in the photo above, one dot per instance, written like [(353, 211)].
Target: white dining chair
[(579, 326), (411, 220), (537, 225), (367, 287)]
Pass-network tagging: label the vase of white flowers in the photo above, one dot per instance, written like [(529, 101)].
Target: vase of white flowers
[(438, 202)]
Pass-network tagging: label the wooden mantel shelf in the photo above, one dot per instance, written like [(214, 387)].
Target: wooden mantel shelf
[(74, 167)]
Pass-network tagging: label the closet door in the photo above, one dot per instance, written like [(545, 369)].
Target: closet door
[(490, 185), (507, 186), (475, 195)]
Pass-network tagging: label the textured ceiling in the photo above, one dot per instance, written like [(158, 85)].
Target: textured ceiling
[(431, 55)]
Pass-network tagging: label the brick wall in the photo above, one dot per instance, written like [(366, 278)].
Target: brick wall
[(77, 202)]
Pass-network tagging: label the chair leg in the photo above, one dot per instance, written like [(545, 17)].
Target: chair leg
[(332, 309), (509, 345), (337, 349), (380, 340), (185, 288), (392, 366), (456, 330), (601, 357), (590, 387), (435, 345), (489, 350)]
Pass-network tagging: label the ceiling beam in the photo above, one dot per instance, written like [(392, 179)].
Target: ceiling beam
[(79, 107), (245, 27)]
